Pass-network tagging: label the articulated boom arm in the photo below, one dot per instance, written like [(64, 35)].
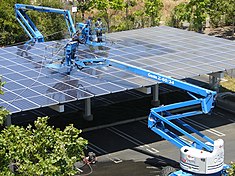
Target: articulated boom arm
[(31, 29), (160, 116)]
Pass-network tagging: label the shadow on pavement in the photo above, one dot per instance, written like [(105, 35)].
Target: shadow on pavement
[(150, 167), (125, 168)]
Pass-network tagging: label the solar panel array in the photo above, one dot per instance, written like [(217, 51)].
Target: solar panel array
[(169, 51)]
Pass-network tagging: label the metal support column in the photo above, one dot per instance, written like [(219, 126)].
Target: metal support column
[(214, 80), (8, 120), (155, 90), (87, 115)]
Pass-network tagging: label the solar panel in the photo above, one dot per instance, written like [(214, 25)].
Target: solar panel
[(169, 51)]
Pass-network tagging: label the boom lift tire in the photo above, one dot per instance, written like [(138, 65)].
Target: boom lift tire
[(167, 171)]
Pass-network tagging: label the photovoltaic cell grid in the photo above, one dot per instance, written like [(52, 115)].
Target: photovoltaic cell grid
[(169, 51), (174, 52)]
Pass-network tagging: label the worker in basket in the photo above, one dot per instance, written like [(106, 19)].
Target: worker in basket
[(88, 25), (98, 28)]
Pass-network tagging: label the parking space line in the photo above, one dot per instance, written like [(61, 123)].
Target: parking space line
[(97, 149), (133, 140), (145, 122), (123, 136), (222, 115), (187, 140), (231, 120), (219, 114), (156, 151), (93, 149), (115, 160), (150, 151), (201, 126), (204, 127), (100, 149)]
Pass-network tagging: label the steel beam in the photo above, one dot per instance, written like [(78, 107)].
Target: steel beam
[(145, 90), (58, 108)]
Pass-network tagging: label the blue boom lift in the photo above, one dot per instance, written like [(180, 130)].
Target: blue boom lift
[(31, 29), (86, 36), (82, 35), (203, 156), (91, 37)]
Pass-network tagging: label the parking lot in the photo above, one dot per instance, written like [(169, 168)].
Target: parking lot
[(127, 147), (132, 149)]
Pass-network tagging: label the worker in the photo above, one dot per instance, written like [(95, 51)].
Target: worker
[(89, 22), (99, 27), (88, 25)]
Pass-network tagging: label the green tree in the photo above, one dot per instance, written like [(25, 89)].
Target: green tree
[(84, 6), (196, 12), (215, 12), (219, 8), (129, 4), (51, 25), (129, 17), (231, 171), (42, 150), (140, 18), (10, 31), (108, 8), (3, 111), (229, 9), (179, 15), (153, 10)]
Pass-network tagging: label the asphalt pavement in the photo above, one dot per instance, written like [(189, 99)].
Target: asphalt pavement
[(125, 146), (132, 149)]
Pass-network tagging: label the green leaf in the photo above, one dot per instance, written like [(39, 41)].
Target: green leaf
[(43, 150)]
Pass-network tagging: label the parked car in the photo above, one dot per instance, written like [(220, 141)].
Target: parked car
[(226, 101)]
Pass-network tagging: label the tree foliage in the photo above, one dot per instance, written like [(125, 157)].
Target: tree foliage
[(84, 6), (141, 13), (153, 9), (10, 31), (48, 23), (196, 12), (178, 15), (231, 171), (3, 111), (108, 8), (51, 25), (41, 150)]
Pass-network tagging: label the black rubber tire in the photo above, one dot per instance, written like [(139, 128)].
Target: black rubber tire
[(167, 171)]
